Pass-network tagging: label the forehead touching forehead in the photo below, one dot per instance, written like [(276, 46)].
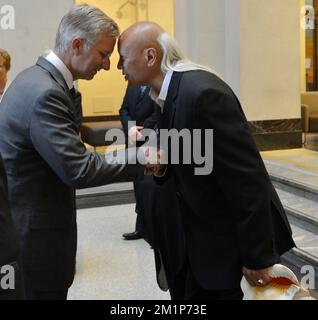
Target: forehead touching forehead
[(140, 35), (129, 44), (104, 39)]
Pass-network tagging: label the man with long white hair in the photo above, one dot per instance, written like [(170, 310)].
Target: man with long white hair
[(45, 159), (232, 218)]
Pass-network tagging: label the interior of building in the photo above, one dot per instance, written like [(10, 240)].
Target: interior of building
[(266, 51)]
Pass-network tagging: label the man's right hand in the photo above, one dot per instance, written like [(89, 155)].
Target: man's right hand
[(257, 277), (154, 160)]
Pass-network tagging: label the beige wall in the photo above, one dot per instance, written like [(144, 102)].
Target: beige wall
[(103, 95), (36, 22), (253, 44), (270, 55)]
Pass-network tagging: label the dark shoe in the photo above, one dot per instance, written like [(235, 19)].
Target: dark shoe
[(132, 236)]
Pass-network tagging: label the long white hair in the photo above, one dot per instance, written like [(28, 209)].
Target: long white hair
[(174, 59)]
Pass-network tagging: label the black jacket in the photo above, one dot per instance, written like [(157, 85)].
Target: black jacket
[(232, 217), (138, 107), (9, 248)]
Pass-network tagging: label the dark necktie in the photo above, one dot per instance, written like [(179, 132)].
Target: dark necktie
[(73, 92), (165, 118), (77, 108), (142, 92)]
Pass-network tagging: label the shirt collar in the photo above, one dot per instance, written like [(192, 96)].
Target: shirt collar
[(161, 97), (59, 65), (5, 88)]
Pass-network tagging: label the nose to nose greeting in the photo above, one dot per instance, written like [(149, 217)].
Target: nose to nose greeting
[(106, 64)]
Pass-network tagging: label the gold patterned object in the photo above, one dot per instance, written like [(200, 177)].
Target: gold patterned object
[(283, 286)]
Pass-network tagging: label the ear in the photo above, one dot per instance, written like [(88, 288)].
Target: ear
[(151, 56), (77, 45)]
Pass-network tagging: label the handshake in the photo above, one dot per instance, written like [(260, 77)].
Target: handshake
[(154, 159), (156, 163), (149, 154)]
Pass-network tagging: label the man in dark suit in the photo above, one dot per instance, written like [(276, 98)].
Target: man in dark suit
[(156, 205), (232, 218), (139, 108), (161, 206), (9, 247), (45, 159)]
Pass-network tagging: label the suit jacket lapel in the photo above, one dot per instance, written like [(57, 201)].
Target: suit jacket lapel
[(56, 74), (142, 94), (169, 109), (76, 109), (140, 102)]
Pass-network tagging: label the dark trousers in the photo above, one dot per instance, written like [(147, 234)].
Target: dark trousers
[(185, 287), (17, 292), (143, 186), (46, 295), (34, 294), (139, 222), (138, 209)]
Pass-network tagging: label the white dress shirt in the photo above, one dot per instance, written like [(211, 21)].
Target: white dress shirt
[(161, 97), (60, 66), (5, 88)]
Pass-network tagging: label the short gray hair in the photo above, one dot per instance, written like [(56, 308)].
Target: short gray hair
[(174, 59), (85, 22)]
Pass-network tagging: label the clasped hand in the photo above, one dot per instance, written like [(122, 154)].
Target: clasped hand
[(152, 155), (257, 277), (154, 161)]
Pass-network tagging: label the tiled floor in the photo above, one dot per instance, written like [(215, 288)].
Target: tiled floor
[(108, 267)]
